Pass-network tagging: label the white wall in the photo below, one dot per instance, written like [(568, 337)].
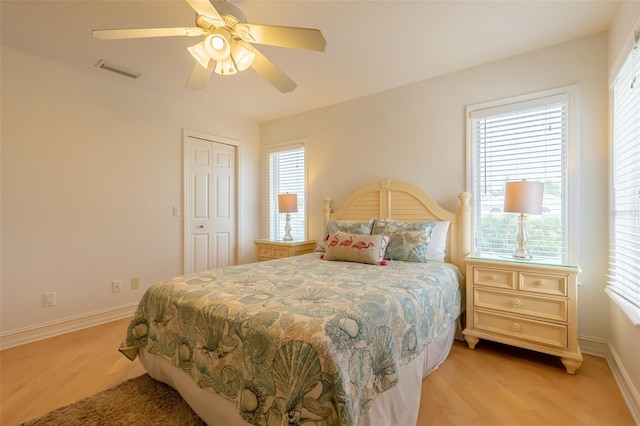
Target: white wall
[(624, 337), (91, 170), (416, 134)]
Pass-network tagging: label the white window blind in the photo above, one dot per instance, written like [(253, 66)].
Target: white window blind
[(624, 257), (287, 175), (514, 141)]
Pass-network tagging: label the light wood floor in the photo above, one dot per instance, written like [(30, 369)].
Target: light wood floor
[(500, 385), (40, 376), (491, 385)]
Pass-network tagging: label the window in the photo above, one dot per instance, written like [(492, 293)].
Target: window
[(514, 139), (287, 173), (624, 252)]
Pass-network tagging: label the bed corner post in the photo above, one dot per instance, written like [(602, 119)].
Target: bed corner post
[(326, 209), (464, 214)]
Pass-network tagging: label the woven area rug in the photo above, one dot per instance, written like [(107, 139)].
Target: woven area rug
[(139, 401)]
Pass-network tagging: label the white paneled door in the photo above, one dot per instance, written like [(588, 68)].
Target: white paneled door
[(210, 200)]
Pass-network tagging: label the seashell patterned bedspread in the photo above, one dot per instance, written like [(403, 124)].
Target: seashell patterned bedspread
[(298, 340)]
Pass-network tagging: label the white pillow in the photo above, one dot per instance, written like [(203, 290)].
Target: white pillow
[(438, 243)]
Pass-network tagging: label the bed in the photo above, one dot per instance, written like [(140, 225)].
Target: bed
[(316, 339)]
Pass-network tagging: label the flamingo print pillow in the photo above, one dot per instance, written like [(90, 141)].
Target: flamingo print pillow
[(356, 248), (351, 227)]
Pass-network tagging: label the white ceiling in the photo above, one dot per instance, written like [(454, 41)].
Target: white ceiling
[(372, 46)]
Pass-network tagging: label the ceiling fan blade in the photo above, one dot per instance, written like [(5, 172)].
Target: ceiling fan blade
[(272, 74), (146, 32), (299, 38), (200, 76), (205, 9)]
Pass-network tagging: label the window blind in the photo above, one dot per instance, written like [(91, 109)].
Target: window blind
[(287, 175), (511, 142), (624, 250)]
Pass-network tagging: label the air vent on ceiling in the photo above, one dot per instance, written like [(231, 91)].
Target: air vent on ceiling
[(117, 69)]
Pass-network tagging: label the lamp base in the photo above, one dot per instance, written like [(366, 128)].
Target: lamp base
[(522, 253), (287, 229)]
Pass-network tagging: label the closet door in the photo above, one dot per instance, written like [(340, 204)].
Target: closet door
[(210, 200)]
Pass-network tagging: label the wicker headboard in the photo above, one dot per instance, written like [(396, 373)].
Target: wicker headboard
[(403, 201)]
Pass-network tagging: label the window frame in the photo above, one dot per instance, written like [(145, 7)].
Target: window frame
[(285, 146), (632, 47), (572, 169)]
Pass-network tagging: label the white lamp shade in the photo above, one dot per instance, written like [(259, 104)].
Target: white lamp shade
[(287, 203), (200, 54), (523, 197), (217, 47), (243, 55)]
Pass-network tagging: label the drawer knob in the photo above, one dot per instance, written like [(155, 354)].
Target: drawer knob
[(515, 326), (541, 283), (516, 303), (492, 277)]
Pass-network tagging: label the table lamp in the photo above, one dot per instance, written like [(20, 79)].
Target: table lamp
[(523, 197), (287, 203)]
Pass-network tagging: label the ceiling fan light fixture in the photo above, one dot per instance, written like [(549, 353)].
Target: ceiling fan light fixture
[(199, 53), (217, 47), (243, 55), (227, 46)]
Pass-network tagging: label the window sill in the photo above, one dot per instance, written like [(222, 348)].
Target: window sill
[(632, 312)]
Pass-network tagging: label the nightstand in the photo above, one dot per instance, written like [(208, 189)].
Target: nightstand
[(529, 304), (270, 249)]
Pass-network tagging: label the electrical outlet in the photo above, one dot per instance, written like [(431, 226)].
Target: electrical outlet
[(115, 286), (49, 299), (135, 283)]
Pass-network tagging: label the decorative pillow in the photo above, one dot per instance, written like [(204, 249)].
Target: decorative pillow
[(438, 243), (356, 248), (408, 240), (410, 246), (350, 227)]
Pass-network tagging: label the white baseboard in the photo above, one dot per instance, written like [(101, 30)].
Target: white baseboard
[(604, 349), (629, 392), (55, 328), (595, 347)]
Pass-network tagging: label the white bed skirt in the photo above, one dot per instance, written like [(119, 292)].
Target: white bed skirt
[(398, 406)]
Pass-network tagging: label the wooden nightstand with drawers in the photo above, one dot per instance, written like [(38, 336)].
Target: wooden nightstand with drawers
[(529, 304), (269, 249)]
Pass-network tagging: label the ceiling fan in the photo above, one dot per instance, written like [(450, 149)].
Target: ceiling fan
[(226, 48)]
